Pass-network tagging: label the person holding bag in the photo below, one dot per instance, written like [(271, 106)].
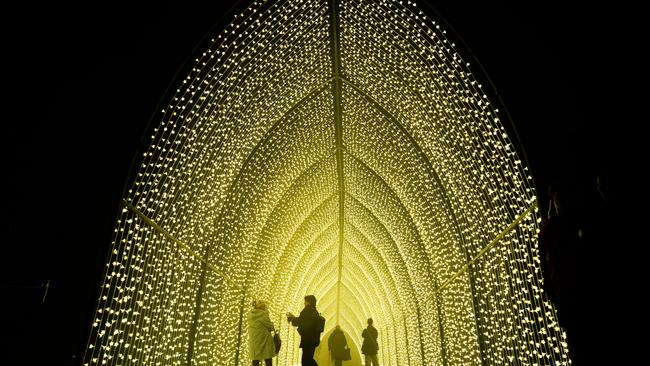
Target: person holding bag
[(261, 345), (338, 346)]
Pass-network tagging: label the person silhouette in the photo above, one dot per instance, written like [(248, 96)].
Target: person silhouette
[(260, 341), (337, 345), (308, 323), (369, 347)]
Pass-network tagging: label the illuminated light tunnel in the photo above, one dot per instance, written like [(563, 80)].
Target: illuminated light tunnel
[(342, 149)]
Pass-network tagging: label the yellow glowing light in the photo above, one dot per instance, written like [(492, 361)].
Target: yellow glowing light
[(362, 163)]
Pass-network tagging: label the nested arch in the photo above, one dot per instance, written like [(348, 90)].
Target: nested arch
[(337, 147)]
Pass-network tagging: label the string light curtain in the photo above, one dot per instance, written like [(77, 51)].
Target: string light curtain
[(336, 148)]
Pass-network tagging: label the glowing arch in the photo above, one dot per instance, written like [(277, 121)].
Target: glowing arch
[(342, 149)]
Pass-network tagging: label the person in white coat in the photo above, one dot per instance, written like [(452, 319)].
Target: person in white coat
[(260, 340)]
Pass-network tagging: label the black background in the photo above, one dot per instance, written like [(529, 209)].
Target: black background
[(81, 81)]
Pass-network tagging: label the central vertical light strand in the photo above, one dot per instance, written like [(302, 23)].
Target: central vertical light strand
[(336, 90)]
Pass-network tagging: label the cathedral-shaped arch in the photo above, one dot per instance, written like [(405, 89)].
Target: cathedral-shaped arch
[(339, 148)]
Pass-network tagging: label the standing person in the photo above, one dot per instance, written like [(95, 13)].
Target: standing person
[(337, 345), (260, 340), (309, 328), (370, 346)]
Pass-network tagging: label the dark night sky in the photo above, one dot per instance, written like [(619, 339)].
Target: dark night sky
[(82, 81)]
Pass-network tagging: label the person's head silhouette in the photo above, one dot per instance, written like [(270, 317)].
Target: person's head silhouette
[(310, 300)]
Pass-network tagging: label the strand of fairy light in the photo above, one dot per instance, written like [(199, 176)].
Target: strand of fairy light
[(374, 265), (378, 230), (222, 110), (381, 202), (496, 226), (373, 306), (402, 293), (277, 227), (377, 284)]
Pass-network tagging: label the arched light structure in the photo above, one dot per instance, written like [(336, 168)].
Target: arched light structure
[(342, 149)]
